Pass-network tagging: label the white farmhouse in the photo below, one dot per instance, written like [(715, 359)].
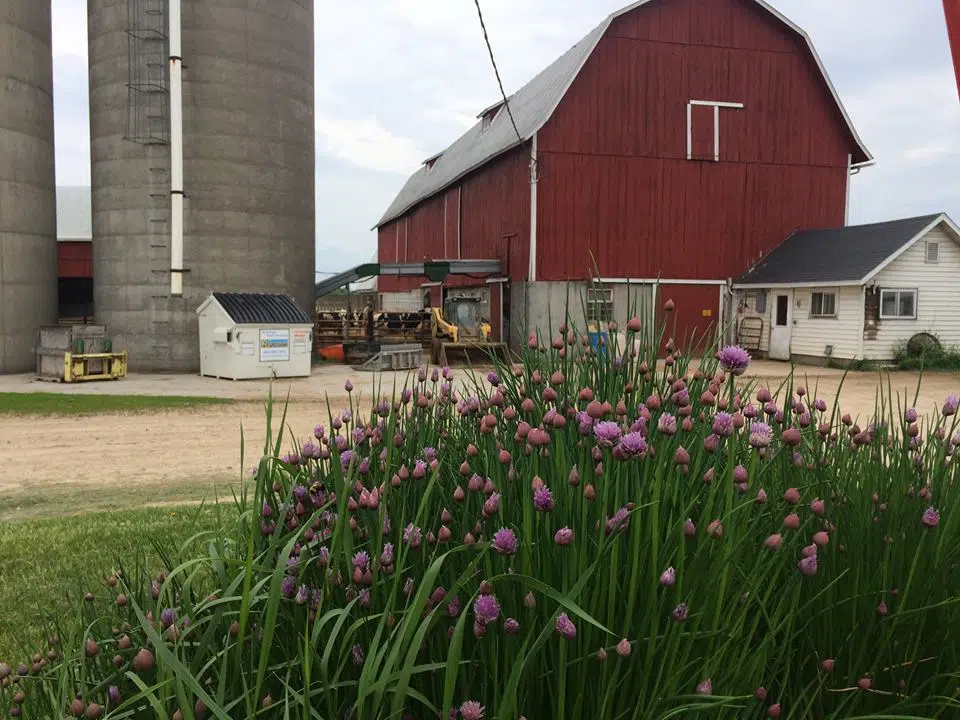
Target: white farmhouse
[(853, 293)]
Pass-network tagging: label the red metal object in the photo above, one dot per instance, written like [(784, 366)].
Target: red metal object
[(951, 9), (75, 259)]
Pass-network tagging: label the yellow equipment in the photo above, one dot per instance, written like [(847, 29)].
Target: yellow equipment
[(94, 366), (442, 327)]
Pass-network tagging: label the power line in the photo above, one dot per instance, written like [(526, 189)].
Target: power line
[(496, 71)]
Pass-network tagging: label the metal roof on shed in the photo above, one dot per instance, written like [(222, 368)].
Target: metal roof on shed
[(262, 309), (837, 255), (533, 105)]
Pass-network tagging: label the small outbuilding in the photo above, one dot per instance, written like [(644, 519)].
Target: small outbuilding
[(248, 336), (853, 293)]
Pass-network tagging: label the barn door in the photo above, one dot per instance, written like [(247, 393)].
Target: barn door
[(693, 323)]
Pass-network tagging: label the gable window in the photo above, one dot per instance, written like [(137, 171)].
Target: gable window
[(898, 304), (599, 304), (430, 162), (489, 115), (703, 128), (823, 305), (933, 252)]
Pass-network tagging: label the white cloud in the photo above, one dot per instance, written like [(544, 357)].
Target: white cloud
[(365, 142)]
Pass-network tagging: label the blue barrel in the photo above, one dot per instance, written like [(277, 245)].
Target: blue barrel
[(599, 346)]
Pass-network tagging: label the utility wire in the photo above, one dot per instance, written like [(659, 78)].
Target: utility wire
[(486, 39)]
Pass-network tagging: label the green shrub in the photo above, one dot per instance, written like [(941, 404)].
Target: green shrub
[(589, 535), (924, 352)]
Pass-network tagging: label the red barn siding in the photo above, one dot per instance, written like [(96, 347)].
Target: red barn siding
[(75, 259), (493, 203), (614, 176), (692, 324)]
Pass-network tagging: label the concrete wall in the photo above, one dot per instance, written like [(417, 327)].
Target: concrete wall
[(543, 306), (248, 92), (28, 212)]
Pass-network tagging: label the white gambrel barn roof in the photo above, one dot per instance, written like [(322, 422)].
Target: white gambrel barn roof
[(532, 106)]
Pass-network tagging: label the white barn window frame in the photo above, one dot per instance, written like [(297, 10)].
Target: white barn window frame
[(716, 105), (599, 304), (898, 303), (823, 304)]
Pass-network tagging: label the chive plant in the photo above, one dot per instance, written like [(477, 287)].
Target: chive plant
[(593, 532)]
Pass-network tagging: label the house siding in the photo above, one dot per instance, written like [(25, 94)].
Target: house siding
[(811, 335), (937, 307)]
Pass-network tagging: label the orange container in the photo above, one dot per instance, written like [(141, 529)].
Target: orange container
[(333, 353)]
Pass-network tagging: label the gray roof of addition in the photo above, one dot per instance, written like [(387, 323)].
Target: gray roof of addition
[(533, 105), (846, 254)]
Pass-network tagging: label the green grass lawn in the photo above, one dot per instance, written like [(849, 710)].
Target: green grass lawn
[(42, 403), (42, 561)]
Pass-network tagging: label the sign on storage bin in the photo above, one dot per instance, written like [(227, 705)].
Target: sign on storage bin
[(274, 345)]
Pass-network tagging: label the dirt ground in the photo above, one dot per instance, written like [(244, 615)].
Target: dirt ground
[(137, 459)]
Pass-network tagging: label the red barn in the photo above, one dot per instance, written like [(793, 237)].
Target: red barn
[(671, 147)]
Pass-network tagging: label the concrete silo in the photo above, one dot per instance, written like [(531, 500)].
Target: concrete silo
[(202, 149), (28, 206)]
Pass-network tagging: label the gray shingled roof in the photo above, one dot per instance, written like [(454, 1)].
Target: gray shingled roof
[(261, 308), (846, 254), (532, 106)]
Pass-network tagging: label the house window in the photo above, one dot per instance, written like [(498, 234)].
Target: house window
[(823, 305), (898, 304), (703, 128), (599, 304), (933, 252), (761, 303)]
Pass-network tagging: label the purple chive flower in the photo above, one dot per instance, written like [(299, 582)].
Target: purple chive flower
[(453, 607), (113, 695), (630, 446), (486, 608), (324, 556), (667, 424), (563, 536), (319, 431), (266, 511), (565, 626), (607, 433), (680, 612), (471, 710), (310, 450), (289, 586), (931, 518), (505, 541), (723, 424), (492, 504), (493, 378), (303, 594), (668, 578), (951, 405), (386, 556), (808, 565), (356, 655), (734, 359), (430, 454), (361, 561), (168, 617), (345, 457), (820, 405), (511, 626), (761, 435), (359, 434), (705, 688), (911, 415), (543, 499), (341, 443), (618, 521), (419, 470), (412, 536)]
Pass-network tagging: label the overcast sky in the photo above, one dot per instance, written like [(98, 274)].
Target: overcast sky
[(398, 80)]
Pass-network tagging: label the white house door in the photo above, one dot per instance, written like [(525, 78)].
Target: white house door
[(781, 325)]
